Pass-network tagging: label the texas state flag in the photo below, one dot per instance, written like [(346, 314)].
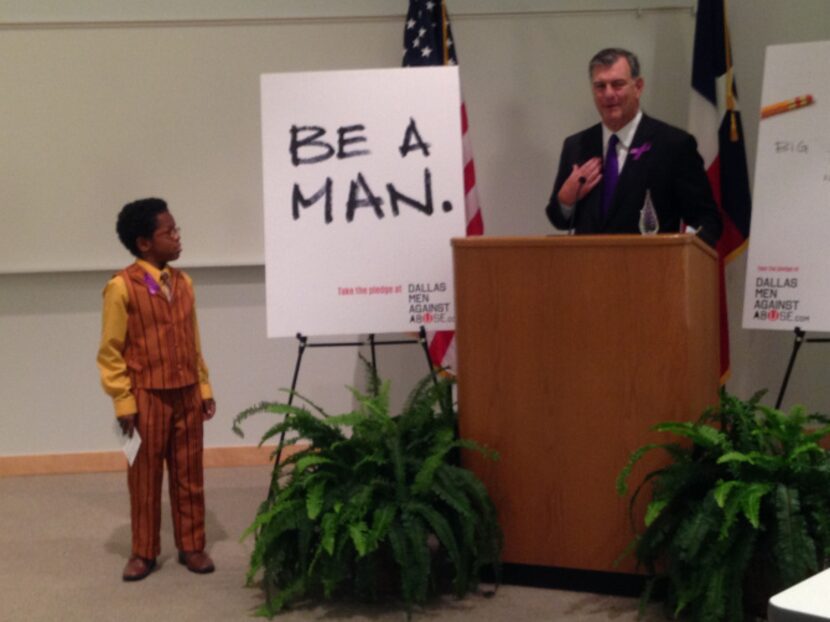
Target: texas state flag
[(715, 121)]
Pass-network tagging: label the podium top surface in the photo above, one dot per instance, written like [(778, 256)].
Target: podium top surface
[(660, 240)]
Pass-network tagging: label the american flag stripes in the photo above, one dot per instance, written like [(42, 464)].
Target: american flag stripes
[(428, 40)]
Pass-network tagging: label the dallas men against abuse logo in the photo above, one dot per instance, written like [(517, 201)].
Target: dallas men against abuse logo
[(776, 298), (429, 303)]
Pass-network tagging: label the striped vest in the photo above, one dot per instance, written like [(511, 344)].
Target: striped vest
[(160, 349)]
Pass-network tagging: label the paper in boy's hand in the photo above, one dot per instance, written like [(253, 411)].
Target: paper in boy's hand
[(131, 446)]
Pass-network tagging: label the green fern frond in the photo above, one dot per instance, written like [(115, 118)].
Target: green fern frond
[(457, 481), (697, 529), (271, 433), (653, 511), (382, 518), (450, 495), (712, 606), (795, 553), (284, 595), (245, 414), (359, 533), (328, 537), (441, 528), (418, 571), (314, 406), (702, 435), (756, 397), (377, 404), (805, 449), (372, 378), (289, 516), (740, 498), (309, 461), (751, 501), (314, 500), (442, 444), (400, 553), (306, 426), (271, 516), (346, 419), (736, 456), (422, 396), (723, 489), (636, 456), (487, 452)]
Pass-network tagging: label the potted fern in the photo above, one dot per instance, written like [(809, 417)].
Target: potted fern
[(370, 496), (741, 511)]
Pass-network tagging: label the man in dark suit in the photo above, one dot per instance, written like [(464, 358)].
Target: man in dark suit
[(596, 193)]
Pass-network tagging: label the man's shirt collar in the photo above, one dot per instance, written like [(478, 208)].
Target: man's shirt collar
[(625, 134)]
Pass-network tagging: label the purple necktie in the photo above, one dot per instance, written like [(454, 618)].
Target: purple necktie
[(610, 175)]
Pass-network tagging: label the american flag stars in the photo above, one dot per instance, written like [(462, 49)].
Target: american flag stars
[(425, 41)]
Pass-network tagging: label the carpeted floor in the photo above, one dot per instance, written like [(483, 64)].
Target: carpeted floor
[(64, 540)]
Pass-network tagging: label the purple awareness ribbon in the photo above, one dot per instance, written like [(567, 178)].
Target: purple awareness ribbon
[(636, 152), (151, 284)]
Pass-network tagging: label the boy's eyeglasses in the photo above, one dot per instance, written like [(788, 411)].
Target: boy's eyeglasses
[(175, 232)]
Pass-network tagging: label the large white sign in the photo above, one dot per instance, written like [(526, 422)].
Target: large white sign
[(788, 271), (363, 189)]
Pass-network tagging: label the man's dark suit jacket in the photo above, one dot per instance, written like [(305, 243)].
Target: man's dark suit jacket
[(662, 159)]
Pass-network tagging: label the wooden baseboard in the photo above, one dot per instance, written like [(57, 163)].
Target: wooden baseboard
[(105, 461)]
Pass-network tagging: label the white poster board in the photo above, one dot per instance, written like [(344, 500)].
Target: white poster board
[(788, 271), (363, 189)]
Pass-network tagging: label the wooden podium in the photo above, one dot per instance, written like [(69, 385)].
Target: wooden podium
[(569, 349)]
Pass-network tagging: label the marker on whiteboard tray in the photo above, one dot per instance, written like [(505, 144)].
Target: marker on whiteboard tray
[(786, 106)]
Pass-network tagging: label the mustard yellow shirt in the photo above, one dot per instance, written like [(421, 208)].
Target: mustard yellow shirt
[(114, 375)]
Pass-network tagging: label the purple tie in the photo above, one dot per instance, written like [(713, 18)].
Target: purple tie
[(610, 175)]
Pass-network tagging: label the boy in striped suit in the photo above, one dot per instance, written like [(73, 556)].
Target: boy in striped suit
[(151, 365)]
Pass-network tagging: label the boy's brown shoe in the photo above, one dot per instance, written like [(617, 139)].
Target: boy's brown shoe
[(138, 568), (197, 561)]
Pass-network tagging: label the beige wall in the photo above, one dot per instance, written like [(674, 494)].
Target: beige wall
[(523, 75)]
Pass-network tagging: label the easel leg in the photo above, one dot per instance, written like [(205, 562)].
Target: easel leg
[(373, 351), (422, 339), (798, 340), (300, 351)]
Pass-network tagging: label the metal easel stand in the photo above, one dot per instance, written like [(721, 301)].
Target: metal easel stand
[(373, 344), (799, 339)]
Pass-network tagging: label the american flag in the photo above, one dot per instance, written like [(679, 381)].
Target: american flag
[(715, 121), (428, 40)]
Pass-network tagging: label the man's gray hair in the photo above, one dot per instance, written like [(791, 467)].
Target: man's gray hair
[(609, 56)]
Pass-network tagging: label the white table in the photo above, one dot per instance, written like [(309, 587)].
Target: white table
[(808, 601)]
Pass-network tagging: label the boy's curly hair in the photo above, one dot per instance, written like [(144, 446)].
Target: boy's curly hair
[(138, 220)]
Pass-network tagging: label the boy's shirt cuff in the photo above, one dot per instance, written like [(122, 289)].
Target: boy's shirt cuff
[(125, 407), (205, 391)]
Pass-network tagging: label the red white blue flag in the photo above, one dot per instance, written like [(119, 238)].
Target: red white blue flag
[(428, 40), (715, 121)]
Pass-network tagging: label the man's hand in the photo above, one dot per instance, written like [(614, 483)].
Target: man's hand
[(208, 409), (128, 424), (590, 171)]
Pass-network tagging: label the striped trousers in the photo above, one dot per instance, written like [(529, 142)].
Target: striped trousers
[(170, 424)]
